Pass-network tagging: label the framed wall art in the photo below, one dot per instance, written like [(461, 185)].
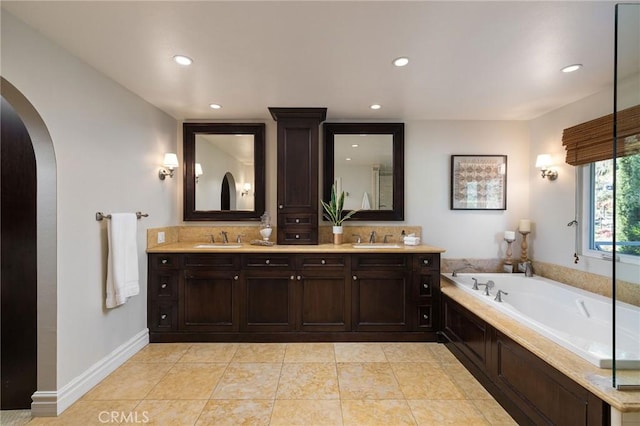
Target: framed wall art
[(478, 182)]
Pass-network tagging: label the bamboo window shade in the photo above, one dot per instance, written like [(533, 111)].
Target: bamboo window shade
[(593, 140)]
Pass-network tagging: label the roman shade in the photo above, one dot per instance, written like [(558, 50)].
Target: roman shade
[(593, 140)]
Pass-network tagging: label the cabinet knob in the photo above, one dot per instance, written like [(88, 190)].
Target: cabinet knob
[(425, 316), (425, 261), (267, 261), (425, 285), (280, 206), (164, 285), (292, 278), (163, 316), (297, 236), (298, 277), (236, 277), (297, 220), (323, 261), (164, 261), (355, 277)]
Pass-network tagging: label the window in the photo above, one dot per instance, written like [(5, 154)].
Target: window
[(598, 195)]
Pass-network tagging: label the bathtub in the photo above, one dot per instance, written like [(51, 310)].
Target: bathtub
[(575, 319)]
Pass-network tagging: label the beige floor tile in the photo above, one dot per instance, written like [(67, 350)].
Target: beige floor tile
[(493, 412), (367, 381), (188, 381), (442, 354), (465, 381), (434, 413), (260, 352), (248, 381), (171, 412), (382, 412), (210, 352), (161, 352), (87, 413), (425, 381), (308, 381), (408, 352), (306, 412), (309, 352), (359, 352), (131, 381), (236, 412)]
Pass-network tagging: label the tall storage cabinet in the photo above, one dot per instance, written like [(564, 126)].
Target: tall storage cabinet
[(298, 152)]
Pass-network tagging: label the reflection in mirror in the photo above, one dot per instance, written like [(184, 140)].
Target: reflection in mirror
[(366, 161), (224, 171)]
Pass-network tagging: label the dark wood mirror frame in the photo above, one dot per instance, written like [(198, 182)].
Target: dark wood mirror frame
[(394, 129), (190, 130)]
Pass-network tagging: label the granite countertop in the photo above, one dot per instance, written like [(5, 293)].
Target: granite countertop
[(596, 380), (190, 247)]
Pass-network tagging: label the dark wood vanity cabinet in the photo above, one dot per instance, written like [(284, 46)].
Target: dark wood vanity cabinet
[(297, 176), (292, 296)]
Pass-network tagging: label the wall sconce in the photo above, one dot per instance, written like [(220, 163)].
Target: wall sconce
[(245, 189), (199, 171), (543, 162), (170, 162)]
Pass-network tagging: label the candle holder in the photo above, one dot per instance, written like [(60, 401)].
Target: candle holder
[(523, 255), (508, 263)]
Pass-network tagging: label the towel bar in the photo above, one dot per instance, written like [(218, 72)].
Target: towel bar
[(100, 216)]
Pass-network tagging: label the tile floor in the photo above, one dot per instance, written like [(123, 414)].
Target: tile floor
[(287, 384)]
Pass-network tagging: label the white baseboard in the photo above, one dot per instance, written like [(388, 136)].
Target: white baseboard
[(52, 403)]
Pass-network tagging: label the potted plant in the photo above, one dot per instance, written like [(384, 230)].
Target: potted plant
[(334, 213)]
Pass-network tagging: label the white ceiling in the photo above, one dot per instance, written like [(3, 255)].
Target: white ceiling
[(469, 60)]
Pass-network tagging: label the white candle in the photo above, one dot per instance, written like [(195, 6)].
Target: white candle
[(524, 225), (509, 235)]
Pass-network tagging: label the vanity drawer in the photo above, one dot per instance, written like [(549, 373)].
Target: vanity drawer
[(163, 317), (380, 261), (298, 219), (219, 261), (322, 261), (267, 261), (427, 261), (164, 261), (163, 285), (425, 317), (298, 235)]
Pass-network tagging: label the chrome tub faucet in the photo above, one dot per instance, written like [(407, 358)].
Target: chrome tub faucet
[(467, 265), (498, 297)]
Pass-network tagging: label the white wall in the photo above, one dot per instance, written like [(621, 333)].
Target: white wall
[(109, 145)]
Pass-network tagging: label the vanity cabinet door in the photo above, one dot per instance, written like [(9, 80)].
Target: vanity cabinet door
[(269, 300), (380, 300), (209, 300)]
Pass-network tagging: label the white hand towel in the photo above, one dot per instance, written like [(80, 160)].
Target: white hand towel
[(366, 205), (122, 261)]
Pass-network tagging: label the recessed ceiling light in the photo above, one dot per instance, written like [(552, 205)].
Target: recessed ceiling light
[(355, 145), (375, 106), (183, 60), (348, 158), (401, 61), (215, 106), (571, 68)]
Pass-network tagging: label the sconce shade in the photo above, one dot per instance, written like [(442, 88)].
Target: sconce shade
[(170, 160), (543, 161), (199, 171), (246, 187)]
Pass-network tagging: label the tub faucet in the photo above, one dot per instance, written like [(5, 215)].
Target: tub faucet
[(462, 268), (487, 286), (528, 269), (475, 284), (498, 297), (225, 236), (372, 237)]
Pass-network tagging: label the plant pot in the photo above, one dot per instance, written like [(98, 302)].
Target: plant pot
[(337, 235)]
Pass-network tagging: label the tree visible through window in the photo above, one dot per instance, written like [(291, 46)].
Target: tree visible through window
[(627, 206)]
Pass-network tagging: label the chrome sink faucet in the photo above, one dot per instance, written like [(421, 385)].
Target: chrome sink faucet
[(225, 236), (386, 238), (372, 237), (358, 238), (212, 239)]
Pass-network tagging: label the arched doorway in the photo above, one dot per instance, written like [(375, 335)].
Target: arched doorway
[(46, 249), (228, 192), (18, 264)]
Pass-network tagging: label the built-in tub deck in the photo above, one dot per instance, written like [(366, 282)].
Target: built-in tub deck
[(596, 380)]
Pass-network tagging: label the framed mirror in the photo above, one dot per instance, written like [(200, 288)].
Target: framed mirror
[(224, 171), (366, 161)]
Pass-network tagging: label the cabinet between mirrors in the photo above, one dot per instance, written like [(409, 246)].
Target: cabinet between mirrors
[(278, 297)]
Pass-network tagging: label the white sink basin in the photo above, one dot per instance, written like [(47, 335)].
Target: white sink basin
[(377, 245), (218, 246)]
